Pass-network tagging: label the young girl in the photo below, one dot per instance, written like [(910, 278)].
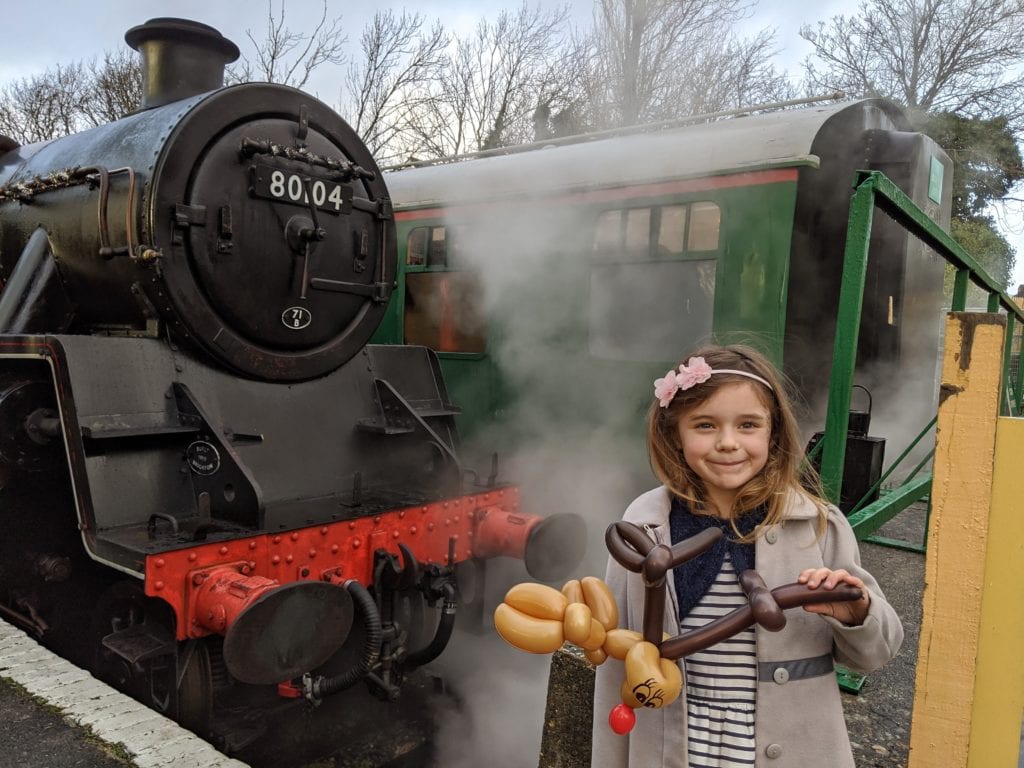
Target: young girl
[(723, 440)]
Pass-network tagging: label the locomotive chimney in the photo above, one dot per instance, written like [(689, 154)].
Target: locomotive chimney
[(180, 58)]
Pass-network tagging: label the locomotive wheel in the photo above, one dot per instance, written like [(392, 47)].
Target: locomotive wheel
[(194, 706), (23, 447), (172, 678)]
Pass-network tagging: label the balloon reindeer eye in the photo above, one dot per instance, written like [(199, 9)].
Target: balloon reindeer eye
[(648, 695), (642, 692), (656, 700)]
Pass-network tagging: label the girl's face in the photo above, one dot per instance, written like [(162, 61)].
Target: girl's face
[(725, 440)]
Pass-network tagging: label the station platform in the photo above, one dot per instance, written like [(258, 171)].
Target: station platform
[(56, 715)]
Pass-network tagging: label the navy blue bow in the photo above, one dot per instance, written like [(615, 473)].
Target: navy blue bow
[(694, 577)]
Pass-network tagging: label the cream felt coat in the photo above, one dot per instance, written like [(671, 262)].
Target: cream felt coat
[(799, 715)]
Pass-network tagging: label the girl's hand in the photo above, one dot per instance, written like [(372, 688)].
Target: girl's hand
[(851, 613)]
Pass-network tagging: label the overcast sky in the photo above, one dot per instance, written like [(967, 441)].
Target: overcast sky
[(74, 31), (39, 33)]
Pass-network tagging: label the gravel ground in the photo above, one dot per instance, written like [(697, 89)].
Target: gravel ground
[(878, 718)]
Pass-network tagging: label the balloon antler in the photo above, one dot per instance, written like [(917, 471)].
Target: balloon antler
[(635, 551)]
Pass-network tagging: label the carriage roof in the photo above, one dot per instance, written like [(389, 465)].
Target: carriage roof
[(744, 143)]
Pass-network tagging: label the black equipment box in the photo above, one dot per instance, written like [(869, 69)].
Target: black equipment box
[(861, 469)]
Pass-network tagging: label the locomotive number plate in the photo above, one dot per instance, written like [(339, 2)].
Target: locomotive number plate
[(290, 187)]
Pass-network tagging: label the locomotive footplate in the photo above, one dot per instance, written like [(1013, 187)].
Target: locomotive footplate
[(441, 533)]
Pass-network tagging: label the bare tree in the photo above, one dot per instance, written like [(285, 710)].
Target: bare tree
[(735, 73), (71, 97), (957, 64), (530, 69), (493, 82), (401, 62), (648, 55), (562, 102), (44, 106), (289, 57), (115, 88), (961, 56)]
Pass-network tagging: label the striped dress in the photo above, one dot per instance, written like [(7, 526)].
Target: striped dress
[(721, 682)]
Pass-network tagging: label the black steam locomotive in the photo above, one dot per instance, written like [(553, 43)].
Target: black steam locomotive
[(209, 482)]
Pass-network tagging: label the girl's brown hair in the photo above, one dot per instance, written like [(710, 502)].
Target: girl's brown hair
[(785, 470)]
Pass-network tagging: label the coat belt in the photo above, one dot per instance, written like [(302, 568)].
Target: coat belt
[(795, 669)]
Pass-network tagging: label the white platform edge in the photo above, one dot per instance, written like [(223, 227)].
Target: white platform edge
[(149, 738)]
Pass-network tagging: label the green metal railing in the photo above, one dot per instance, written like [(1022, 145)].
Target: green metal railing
[(873, 189)]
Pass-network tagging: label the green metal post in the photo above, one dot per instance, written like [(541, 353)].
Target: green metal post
[(993, 302), (875, 515), (1019, 389), (960, 290), (844, 355), (1005, 405), (883, 514)]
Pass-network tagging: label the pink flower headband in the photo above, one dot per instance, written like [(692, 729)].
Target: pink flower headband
[(691, 373)]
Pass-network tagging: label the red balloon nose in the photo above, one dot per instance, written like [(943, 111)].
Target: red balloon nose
[(622, 719)]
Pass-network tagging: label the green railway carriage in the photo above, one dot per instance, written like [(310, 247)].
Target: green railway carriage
[(556, 283)]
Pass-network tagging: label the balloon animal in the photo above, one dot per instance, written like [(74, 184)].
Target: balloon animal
[(539, 619)]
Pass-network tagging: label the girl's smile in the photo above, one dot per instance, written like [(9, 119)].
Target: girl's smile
[(725, 441)]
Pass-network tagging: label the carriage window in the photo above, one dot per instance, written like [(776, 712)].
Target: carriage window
[(623, 233), (437, 254), (608, 232), (638, 232), (671, 229), (705, 221), (444, 311), (427, 247), (416, 247)]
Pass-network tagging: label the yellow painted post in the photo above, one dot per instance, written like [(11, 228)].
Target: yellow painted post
[(999, 682), (958, 541)]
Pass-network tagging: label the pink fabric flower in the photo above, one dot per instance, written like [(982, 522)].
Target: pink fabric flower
[(694, 371), (665, 389), (691, 373)]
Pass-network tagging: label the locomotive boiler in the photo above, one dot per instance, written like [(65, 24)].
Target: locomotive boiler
[(209, 482)]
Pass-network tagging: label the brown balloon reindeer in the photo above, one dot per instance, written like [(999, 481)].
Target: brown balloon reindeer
[(635, 551), (540, 619)]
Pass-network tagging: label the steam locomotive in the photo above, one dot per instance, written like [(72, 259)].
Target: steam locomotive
[(210, 483)]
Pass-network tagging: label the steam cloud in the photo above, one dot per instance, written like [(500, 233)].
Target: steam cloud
[(572, 438), (571, 443)]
